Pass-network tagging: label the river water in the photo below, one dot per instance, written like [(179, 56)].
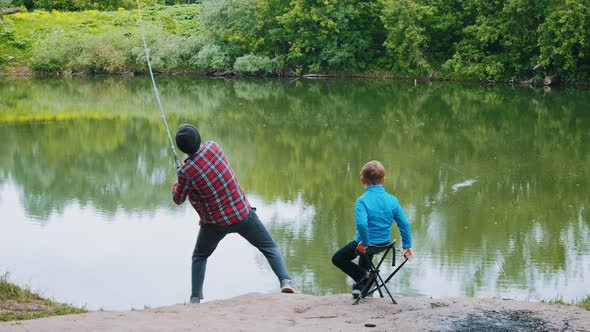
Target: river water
[(495, 181)]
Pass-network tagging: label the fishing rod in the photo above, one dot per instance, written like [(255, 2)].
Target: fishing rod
[(147, 56)]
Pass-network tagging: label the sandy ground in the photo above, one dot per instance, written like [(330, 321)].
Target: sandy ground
[(297, 312)]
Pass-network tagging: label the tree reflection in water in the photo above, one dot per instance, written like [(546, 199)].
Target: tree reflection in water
[(495, 180)]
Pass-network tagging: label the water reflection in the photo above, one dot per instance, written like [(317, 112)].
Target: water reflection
[(494, 180)]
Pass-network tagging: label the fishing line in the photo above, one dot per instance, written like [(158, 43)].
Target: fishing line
[(149, 63)]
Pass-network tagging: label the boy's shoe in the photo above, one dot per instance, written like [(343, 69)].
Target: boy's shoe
[(287, 287), (195, 300), (357, 289)]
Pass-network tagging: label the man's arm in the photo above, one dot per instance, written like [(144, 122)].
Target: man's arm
[(180, 189)]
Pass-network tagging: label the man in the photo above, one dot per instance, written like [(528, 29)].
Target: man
[(209, 182)]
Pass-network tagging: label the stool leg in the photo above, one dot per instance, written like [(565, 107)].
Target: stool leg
[(372, 281), (388, 293), (376, 281), (380, 285)]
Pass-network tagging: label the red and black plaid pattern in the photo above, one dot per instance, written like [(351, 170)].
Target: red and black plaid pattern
[(208, 180)]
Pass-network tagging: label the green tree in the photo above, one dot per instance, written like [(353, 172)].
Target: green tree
[(407, 39), (564, 38), (332, 34), (231, 23), (443, 26), (501, 40), (311, 34)]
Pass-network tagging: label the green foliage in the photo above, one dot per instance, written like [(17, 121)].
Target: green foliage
[(231, 23), (500, 42), (564, 38), (114, 52), (406, 35), (57, 53), (309, 34), (465, 39), (165, 50), (332, 34), (462, 39), (210, 58), (178, 19), (103, 42), (66, 53), (253, 64), (105, 53)]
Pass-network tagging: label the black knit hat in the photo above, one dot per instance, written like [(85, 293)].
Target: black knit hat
[(188, 139)]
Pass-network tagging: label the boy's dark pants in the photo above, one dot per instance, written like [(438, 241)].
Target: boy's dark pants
[(343, 260)]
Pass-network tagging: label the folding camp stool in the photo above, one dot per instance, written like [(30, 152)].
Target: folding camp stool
[(376, 282)]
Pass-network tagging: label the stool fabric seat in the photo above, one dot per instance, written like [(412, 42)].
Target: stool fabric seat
[(376, 281)]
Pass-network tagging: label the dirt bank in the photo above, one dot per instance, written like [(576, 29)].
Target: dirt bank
[(275, 312)]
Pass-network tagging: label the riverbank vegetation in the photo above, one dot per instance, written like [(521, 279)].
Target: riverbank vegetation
[(474, 39), (18, 304), (584, 303)]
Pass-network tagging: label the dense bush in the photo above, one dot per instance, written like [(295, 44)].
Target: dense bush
[(106, 53), (114, 52), (57, 53), (210, 58), (165, 50), (253, 64)]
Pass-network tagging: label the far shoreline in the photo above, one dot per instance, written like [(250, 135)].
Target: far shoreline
[(24, 72)]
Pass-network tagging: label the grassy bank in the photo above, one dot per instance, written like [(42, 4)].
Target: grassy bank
[(584, 303), (95, 42), (17, 303)]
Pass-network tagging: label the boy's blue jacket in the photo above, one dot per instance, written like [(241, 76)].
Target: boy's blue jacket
[(374, 212)]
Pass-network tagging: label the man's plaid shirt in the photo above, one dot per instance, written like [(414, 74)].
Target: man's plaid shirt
[(208, 180)]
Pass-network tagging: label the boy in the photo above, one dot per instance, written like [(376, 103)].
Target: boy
[(374, 212), (209, 182)]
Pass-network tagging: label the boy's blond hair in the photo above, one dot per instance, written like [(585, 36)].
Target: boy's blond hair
[(373, 172)]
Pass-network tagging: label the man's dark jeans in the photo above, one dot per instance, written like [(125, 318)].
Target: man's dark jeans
[(343, 260), (250, 229)]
